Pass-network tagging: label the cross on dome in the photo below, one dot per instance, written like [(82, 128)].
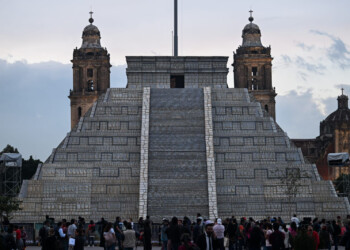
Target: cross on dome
[(91, 20), (251, 18)]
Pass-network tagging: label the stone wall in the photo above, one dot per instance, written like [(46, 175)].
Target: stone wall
[(166, 152), (253, 158), (155, 71), (95, 171)]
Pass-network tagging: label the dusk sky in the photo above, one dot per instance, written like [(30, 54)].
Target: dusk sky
[(310, 43)]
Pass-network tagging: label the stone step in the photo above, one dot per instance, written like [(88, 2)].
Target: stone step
[(100, 149), (177, 155), (223, 116), (175, 123), (164, 130), (186, 142), (177, 152), (108, 133), (277, 149)]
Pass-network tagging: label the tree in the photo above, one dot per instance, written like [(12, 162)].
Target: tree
[(291, 179), (9, 149), (7, 206), (29, 167), (342, 184)]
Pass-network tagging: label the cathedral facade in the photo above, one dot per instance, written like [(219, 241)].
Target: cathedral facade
[(176, 141)]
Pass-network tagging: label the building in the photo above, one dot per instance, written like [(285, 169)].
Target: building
[(177, 141), (253, 68), (91, 70), (334, 138)]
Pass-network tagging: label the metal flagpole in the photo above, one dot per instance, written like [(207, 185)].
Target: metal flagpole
[(175, 29)]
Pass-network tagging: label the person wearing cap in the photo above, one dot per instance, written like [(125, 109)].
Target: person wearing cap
[(219, 231), (163, 235), (208, 240)]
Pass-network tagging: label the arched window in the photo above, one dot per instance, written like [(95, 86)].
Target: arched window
[(267, 108), (79, 112)]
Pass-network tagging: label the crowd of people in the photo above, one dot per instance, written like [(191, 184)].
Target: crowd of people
[(13, 237), (243, 233), (182, 234)]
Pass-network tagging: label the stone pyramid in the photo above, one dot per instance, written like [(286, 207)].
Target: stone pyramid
[(153, 150)]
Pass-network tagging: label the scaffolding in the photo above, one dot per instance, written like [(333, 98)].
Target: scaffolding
[(10, 174), (341, 180), (340, 164)]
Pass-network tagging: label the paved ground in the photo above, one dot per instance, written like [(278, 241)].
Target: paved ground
[(139, 248), (94, 248)]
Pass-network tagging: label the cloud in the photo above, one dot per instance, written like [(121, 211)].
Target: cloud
[(314, 68), (303, 66), (303, 76), (286, 59), (337, 52), (298, 114), (346, 88), (330, 105), (35, 110), (305, 47)]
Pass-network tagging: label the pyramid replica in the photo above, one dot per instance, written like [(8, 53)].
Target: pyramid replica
[(176, 141)]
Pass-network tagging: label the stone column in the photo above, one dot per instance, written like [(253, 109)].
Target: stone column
[(144, 153), (213, 206)]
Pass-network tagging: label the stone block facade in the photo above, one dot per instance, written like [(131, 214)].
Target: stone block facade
[(156, 71), (161, 151)]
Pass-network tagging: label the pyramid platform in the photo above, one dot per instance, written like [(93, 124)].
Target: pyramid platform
[(159, 151)]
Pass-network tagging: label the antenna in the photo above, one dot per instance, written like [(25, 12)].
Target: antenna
[(172, 43), (175, 29)]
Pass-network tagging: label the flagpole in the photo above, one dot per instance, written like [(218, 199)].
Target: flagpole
[(175, 29)]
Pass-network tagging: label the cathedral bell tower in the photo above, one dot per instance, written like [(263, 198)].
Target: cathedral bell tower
[(252, 67), (91, 72)]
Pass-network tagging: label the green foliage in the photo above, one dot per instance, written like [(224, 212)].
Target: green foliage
[(342, 183), (9, 149), (29, 167), (291, 179), (7, 206)]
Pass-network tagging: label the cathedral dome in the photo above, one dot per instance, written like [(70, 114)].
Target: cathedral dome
[(338, 119), (91, 36), (251, 34), (251, 28), (91, 30), (342, 114)]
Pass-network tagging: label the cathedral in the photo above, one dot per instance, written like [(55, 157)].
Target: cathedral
[(334, 138), (176, 141)]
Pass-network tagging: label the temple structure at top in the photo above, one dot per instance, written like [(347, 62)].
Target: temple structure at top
[(176, 142)]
